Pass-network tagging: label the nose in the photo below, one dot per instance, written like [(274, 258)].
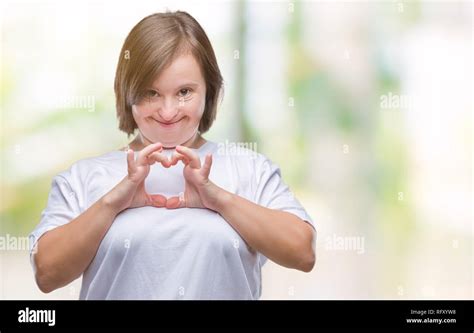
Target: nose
[(168, 110)]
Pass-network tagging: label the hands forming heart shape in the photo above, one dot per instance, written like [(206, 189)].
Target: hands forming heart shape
[(199, 191)]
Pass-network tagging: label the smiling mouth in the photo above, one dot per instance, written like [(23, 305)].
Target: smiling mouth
[(167, 124)]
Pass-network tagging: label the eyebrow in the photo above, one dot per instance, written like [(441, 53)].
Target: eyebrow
[(190, 84)]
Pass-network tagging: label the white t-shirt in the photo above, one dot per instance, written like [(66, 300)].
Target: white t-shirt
[(155, 253)]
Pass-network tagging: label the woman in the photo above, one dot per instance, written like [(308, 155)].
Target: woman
[(170, 217)]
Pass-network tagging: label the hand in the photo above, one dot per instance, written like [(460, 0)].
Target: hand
[(199, 191), (130, 192)]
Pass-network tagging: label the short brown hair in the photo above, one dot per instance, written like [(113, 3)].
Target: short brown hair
[(151, 46)]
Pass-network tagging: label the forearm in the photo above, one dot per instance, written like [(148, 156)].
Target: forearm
[(280, 236), (64, 253)]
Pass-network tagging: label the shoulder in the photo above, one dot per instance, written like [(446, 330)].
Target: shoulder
[(243, 156), (106, 159), (83, 168)]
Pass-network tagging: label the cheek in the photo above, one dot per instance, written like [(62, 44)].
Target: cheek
[(195, 108), (138, 114), (135, 113)]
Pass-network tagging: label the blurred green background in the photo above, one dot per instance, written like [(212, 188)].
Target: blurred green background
[(366, 107)]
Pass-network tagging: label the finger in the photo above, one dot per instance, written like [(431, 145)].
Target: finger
[(194, 161), (176, 157), (131, 161), (158, 157), (176, 202), (143, 154), (157, 200), (206, 168)]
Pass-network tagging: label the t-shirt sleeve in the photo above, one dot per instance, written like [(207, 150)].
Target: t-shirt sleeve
[(61, 208), (272, 192)]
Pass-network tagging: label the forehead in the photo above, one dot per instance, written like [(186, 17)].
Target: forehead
[(182, 70)]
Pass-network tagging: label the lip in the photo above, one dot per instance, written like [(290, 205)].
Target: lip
[(168, 124)]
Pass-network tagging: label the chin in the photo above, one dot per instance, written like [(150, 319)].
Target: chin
[(169, 143)]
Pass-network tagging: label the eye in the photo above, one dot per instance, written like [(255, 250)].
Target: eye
[(185, 92), (151, 93)]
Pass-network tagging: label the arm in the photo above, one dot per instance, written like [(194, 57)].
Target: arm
[(280, 236), (65, 252)]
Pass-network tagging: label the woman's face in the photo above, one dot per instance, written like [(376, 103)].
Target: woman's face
[(172, 107)]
